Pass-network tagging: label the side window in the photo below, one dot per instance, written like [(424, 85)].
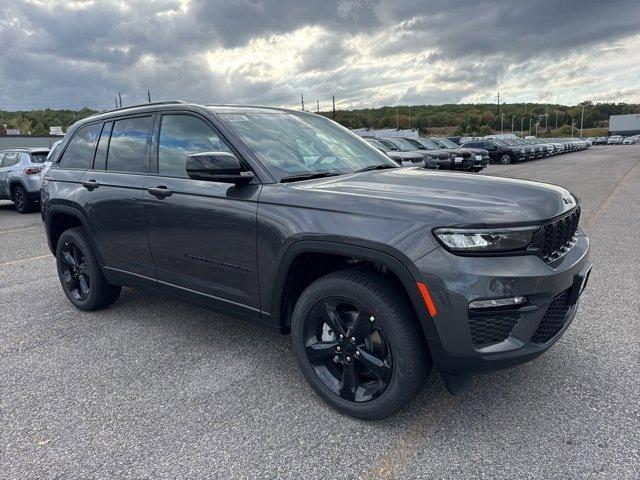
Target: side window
[(10, 159), (128, 151), (23, 157), (79, 153), (181, 136), (100, 163)]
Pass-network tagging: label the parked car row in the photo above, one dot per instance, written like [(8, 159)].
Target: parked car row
[(21, 172), (511, 150), (436, 153), (616, 140)]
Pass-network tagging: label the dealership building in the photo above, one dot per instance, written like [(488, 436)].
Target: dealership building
[(624, 124)]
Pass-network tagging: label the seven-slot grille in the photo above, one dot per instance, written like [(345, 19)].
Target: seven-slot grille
[(554, 319), (559, 236)]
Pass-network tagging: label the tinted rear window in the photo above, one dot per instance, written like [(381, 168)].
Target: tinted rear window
[(128, 150), (79, 153), (39, 157)]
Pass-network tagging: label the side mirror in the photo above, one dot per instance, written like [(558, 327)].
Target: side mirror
[(217, 167)]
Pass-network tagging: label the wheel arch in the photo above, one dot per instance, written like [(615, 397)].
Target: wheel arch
[(63, 217), (280, 310)]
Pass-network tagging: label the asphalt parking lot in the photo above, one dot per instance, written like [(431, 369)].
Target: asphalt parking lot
[(155, 388)]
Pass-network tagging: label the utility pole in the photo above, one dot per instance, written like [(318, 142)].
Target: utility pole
[(581, 120), (521, 127), (546, 121), (498, 103), (120, 97), (530, 122), (334, 106), (302, 101), (556, 119), (513, 117), (149, 96), (318, 106), (537, 123), (116, 99), (397, 117), (502, 123)]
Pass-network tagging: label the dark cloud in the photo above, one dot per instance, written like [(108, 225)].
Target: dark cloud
[(368, 52)]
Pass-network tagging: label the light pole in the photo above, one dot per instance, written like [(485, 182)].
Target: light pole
[(530, 122), (556, 119), (581, 120), (521, 126), (512, 119), (502, 124)]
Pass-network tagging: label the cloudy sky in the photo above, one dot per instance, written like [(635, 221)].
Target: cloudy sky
[(367, 52)]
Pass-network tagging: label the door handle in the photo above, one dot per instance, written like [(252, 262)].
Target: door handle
[(90, 184), (160, 191)]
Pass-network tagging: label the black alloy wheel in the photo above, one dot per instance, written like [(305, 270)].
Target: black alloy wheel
[(76, 277), (505, 159), (358, 344), (348, 349), (80, 274)]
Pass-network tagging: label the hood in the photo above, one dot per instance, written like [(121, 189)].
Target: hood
[(433, 198), (477, 151)]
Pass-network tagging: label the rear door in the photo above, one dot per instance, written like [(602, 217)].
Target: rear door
[(112, 199), (202, 233)]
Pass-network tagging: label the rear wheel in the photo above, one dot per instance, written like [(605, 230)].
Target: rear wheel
[(21, 200), (506, 159), (80, 274), (359, 345)]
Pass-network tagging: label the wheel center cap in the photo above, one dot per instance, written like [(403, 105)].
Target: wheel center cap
[(347, 347)]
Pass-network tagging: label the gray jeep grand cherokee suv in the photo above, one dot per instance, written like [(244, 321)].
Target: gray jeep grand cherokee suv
[(379, 272)]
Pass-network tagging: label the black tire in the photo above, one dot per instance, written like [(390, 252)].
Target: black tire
[(80, 274), (392, 343), (21, 200), (506, 159)]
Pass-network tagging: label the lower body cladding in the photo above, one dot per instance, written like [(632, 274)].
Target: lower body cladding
[(534, 304)]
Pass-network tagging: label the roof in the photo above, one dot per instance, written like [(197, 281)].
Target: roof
[(178, 104), (28, 150)]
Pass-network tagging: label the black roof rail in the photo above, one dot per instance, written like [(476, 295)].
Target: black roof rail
[(165, 102)]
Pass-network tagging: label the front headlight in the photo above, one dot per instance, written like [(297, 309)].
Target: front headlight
[(485, 240)]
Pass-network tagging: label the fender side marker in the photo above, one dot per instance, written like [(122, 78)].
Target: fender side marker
[(428, 301)]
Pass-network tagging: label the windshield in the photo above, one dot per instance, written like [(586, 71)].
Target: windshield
[(430, 144), (446, 143), (377, 144), (290, 144), (403, 145)]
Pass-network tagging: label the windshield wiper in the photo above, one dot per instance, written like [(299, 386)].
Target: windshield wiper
[(375, 167), (308, 176)]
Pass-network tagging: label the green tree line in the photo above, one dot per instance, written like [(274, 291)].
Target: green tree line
[(467, 119), (37, 122), (483, 119)]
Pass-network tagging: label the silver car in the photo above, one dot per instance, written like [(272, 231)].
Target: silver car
[(21, 176)]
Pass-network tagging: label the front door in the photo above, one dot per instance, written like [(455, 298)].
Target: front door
[(202, 234)]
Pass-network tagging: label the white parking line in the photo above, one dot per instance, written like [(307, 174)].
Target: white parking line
[(13, 262), (18, 229)]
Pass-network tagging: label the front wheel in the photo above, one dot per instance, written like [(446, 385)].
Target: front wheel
[(359, 345), (506, 159)]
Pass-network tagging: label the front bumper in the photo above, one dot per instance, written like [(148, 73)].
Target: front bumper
[(467, 344)]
